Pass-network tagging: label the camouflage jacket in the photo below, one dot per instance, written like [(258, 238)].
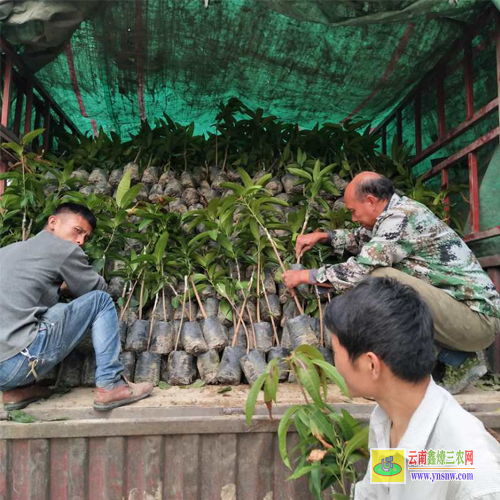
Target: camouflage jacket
[(409, 237)]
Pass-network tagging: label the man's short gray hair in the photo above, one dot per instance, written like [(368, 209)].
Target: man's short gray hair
[(380, 187)]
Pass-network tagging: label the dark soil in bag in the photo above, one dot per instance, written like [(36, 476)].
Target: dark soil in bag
[(301, 332), (263, 336), (88, 371), (242, 338), (128, 360), (123, 330), (285, 338), (192, 338), (289, 311), (215, 334), (85, 346), (253, 365), (163, 338), (229, 368), (280, 353), (175, 328), (275, 304), (208, 366), (181, 369), (70, 373), (178, 311), (327, 354), (49, 378), (148, 367), (137, 337), (211, 306)]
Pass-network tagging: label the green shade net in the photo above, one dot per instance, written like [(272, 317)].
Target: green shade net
[(303, 61)]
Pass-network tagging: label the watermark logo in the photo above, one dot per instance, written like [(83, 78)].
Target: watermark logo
[(388, 466)]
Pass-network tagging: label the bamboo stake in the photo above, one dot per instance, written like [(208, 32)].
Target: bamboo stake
[(129, 297), (321, 327), (189, 299), (253, 329), (235, 330), (258, 287), (141, 296), (164, 306), (182, 314), (200, 303), (276, 338), (245, 298), (151, 323)]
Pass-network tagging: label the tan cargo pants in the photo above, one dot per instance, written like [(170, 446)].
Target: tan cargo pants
[(456, 325)]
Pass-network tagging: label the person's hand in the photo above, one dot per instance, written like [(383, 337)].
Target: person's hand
[(64, 290), (307, 241), (291, 279)]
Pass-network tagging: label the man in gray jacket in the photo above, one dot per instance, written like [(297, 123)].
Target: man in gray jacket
[(37, 332)]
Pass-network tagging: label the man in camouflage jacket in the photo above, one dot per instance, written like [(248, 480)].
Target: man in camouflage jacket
[(402, 239)]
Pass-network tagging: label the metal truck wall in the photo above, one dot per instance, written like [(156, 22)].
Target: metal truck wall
[(194, 467), (206, 459)]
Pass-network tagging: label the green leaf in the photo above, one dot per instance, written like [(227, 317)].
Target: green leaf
[(300, 472), (123, 187), (164, 386), (160, 247), (21, 417), (333, 375), (14, 146), (285, 423), (224, 390), (300, 173), (130, 195), (30, 136), (309, 378), (264, 179), (310, 350), (359, 440), (196, 385), (247, 181), (226, 310), (252, 397)]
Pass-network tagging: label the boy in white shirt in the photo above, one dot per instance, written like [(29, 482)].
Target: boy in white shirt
[(384, 347)]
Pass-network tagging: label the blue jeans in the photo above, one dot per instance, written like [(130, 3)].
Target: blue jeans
[(61, 329)]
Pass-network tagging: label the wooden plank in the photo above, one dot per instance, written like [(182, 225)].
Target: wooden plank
[(490, 261)]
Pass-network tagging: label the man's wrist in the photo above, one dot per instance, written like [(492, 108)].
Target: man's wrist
[(322, 237)]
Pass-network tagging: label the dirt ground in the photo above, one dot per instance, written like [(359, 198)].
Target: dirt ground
[(208, 396)]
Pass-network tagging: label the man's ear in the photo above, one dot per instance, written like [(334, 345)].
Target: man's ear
[(51, 222), (373, 364), (372, 200)]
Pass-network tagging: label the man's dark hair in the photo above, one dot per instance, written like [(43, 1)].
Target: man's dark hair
[(75, 208), (383, 316), (380, 187)]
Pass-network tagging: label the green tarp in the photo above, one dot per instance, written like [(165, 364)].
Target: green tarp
[(304, 61)]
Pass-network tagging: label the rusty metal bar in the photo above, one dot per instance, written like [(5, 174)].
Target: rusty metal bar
[(418, 124), (492, 134), (3, 169), (482, 235), (23, 70), (498, 66), (476, 28), (46, 126), (473, 192), (29, 107), (6, 91), (16, 127), (458, 130)]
